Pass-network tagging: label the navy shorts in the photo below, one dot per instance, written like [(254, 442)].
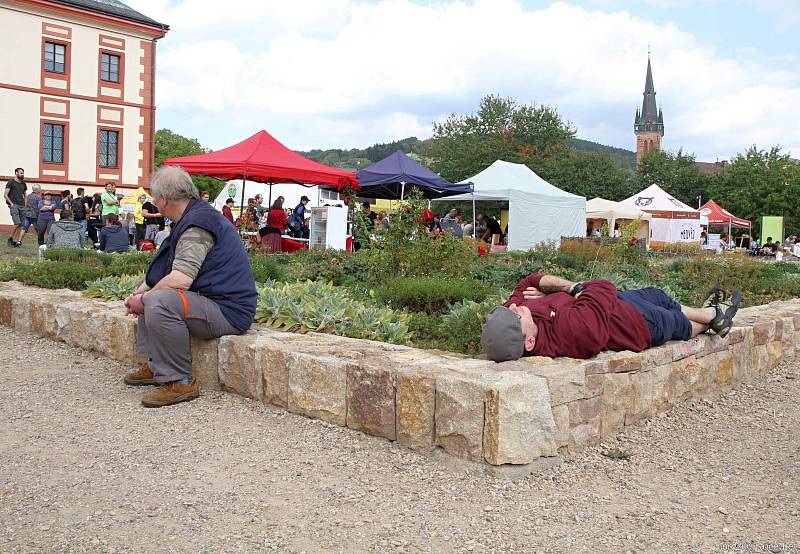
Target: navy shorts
[(662, 313)]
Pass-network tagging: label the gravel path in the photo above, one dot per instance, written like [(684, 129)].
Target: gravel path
[(85, 469)]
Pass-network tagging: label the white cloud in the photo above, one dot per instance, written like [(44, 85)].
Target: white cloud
[(347, 73)]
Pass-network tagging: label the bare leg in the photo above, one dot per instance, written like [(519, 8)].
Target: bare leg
[(699, 318)]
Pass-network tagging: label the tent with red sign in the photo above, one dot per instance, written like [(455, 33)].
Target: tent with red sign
[(720, 217), (672, 220), (263, 159)]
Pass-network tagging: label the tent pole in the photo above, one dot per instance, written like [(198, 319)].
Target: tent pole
[(473, 214), (241, 204), (402, 189), (270, 193)]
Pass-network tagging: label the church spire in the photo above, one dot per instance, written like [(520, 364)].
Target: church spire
[(649, 123)]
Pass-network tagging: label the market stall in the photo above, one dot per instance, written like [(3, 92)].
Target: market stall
[(671, 221)]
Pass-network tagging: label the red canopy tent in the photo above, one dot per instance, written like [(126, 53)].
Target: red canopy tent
[(263, 159), (720, 217)]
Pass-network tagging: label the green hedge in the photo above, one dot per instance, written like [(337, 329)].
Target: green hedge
[(431, 295), (50, 274)]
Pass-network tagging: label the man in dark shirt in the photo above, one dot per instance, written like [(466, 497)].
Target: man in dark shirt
[(369, 214), (14, 195), (492, 228), (550, 316)]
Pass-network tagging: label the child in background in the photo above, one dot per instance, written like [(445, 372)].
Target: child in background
[(130, 225)]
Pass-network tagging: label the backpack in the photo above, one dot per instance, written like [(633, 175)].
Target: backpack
[(77, 208), (146, 245)]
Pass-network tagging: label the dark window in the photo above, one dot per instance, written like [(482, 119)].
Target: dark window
[(108, 148), (109, 68), (53, 144), (54, 56)]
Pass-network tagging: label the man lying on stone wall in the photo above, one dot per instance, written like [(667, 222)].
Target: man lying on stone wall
[(550, 316), (199, 284)]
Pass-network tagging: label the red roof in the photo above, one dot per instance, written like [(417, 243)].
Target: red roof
[(262, 158), (717, 216)]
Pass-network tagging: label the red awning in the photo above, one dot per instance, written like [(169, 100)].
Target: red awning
[(717, 216), (261, 158)]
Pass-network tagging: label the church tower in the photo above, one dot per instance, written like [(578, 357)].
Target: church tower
[(649, 123)]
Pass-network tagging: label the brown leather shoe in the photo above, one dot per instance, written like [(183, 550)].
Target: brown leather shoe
[(171, 393), (140, 377)]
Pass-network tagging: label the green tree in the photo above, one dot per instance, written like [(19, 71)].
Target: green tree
[(173, 145), (676, 173), (761, 182), (588, 174), (463, 145)]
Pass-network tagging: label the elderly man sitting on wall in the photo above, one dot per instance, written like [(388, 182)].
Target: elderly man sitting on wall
[(550, 316), (199, 284)]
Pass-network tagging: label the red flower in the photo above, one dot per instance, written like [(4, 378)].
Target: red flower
[(482, 250)]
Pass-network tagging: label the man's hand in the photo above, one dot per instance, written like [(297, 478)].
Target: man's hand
[(531, 293), (134, 304)]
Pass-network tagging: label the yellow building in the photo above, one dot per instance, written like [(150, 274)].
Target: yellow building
[(77, 94)]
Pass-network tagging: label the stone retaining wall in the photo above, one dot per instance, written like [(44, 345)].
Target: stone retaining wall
[(498, 414)]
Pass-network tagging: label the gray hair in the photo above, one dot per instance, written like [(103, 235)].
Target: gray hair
[(173, 183), (36, 187)]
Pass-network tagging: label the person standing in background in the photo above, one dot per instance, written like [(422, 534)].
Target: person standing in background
[(46, 217), (31, 211), (138, 220), (80, 210), (226, 210), (109, 202), (14, 195), (205, 197)]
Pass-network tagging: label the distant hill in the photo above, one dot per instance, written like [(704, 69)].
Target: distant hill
[(625, 158), (356, 158)]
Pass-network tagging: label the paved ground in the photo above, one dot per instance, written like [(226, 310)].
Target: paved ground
[(86, 469)]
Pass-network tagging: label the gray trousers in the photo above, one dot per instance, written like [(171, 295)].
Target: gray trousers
[(170, 318)]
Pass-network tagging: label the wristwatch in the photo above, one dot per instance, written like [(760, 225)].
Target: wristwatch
[(577, 289)]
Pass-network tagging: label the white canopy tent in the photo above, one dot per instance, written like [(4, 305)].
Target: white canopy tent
[(610, 211), (672, 220), (537, 211)]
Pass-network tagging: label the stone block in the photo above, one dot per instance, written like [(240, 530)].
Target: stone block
[(764, 331), (625, 362), (594, 385), (656, 356), (724, 364), (788, 337), (663, 388), (687, 348), (565, 381), (616, 392), (371, 400), (205, 363), (120, 334), (715, 343), (238, 370), (460, 416), (318, 387), (43, 316), (707, 375), (737, 334), (415, 397), (22, 312), (745, 362), (585, 434), (595, 366), (519, 425), (640, 401), (6, 310), (561, 421), (688, 378), (585, 410), (774, 353)]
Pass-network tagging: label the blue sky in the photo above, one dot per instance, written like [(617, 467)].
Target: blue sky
[(342, 73)]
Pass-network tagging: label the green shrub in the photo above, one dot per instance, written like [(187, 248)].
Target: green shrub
[(113, 288), (266, 268), (457, 330), (429, 294), (322, 307), (50, 274), (77, 255), (132, 263)]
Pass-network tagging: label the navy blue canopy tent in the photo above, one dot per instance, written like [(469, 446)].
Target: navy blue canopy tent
[(391, 177)]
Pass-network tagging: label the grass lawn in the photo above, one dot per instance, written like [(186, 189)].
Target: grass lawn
[(29, 248)]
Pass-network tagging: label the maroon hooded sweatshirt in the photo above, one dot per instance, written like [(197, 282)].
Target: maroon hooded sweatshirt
[(582, 328)]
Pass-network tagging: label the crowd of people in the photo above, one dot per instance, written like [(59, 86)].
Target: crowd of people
[(79, 220)]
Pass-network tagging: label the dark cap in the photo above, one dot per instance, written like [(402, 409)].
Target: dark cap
[(305, 198), (502, 337)]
